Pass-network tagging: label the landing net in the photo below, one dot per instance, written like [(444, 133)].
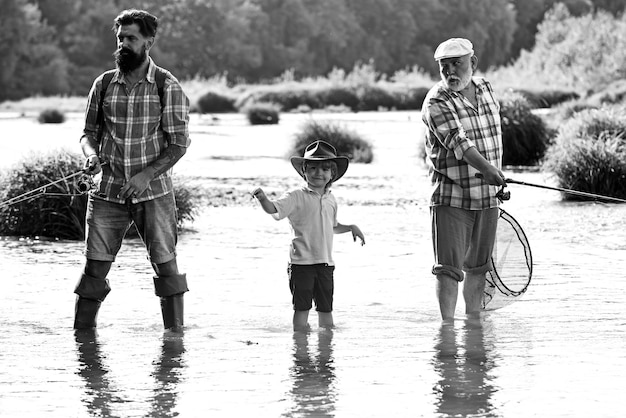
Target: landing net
[(512, 265)]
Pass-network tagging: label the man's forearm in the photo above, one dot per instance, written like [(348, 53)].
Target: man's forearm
[(166, 160), (89, 146)]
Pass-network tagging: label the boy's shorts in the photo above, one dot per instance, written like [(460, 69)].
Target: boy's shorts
[(463, 240), (107, 223), (311, 282)]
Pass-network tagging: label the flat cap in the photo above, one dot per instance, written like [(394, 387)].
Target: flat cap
[(453, 47)]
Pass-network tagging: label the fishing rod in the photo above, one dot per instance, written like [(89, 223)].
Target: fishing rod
[(83, 187), (558, 189), (570, 191)]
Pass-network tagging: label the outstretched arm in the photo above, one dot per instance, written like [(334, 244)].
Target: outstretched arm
[(266, 204), (356, 232)]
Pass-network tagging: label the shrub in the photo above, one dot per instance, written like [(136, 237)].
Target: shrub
[(410, 98), (338, 96), (546, 98), (347, 143), (375, 98), (589, 154), (58, 212), (51, 116), (212, 102), (55, 214), (260, 113), (525, 136), (287, 97)]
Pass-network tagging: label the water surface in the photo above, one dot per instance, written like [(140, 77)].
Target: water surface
[(559, 352)]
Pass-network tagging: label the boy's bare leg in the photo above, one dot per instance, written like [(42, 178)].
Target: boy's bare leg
[(447, 293), (325, 319), (300, 320), (473, 290)]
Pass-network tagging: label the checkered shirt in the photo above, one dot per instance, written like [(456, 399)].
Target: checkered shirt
[(136, 130), (453, 126)]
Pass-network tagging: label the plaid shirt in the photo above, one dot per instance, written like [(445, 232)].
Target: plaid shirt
[(453, 126), (136, 130)]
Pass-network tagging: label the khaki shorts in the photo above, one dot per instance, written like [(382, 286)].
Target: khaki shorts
[(463, 240), (107, 223)]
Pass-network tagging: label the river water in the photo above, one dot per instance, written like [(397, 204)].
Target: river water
[(560, 351)]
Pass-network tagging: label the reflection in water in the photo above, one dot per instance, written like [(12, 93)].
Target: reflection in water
[(168, 372), (312, 377), (464, 364), (100, 393)]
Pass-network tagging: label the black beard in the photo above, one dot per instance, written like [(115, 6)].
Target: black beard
[(127, 60)]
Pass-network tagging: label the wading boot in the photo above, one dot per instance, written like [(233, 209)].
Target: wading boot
[(91, 292), (171, 290)]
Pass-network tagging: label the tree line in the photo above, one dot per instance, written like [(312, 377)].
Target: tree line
[(57, 47)]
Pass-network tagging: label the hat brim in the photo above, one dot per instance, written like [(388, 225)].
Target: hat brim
[(342, 164)]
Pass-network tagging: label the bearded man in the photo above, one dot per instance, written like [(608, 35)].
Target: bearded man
[(464, 153), (135, 131)]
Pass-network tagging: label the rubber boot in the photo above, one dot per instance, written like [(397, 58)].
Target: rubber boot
[(171, 290), (91, 292), (172, 309)]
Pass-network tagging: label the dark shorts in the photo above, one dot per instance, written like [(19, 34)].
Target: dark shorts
[(311, 282), (107, 223)]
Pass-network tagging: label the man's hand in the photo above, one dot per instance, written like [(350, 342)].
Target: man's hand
[(136, 185), (92, 165)]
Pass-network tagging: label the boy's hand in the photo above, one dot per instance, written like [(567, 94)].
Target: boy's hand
[(356, 232), (259, 194)]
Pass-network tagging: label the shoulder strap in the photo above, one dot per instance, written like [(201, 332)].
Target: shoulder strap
[(106, 80), (159, 76)]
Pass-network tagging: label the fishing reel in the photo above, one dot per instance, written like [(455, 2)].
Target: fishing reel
[(85, 183), (503, 195)]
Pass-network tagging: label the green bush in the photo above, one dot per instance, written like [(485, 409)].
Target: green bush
[(589, 154), (338, 96), (375, 98), (212, 102), (58, 211), (56, 214), (525, 136), (410, 98), (287, 97), (347, 143), (260, 113), (51, 116), (546, 98)]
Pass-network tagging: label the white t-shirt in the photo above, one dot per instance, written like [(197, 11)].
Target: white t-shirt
[(312, 218)]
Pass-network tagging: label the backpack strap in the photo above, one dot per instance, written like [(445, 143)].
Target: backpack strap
[(106, 80), (160, 75)]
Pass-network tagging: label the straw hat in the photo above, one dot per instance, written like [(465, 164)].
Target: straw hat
[(320, 151)]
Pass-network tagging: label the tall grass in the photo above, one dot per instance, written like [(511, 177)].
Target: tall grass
[(589, 153), (525, 136), (59, 210), (348, 143)]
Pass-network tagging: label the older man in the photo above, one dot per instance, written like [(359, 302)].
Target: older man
[(463, 139)]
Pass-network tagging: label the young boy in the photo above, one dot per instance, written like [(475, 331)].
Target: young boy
[(312, 214)]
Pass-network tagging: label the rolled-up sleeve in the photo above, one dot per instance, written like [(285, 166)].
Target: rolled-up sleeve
[(92, 124), (175, 115), (444, 122)]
